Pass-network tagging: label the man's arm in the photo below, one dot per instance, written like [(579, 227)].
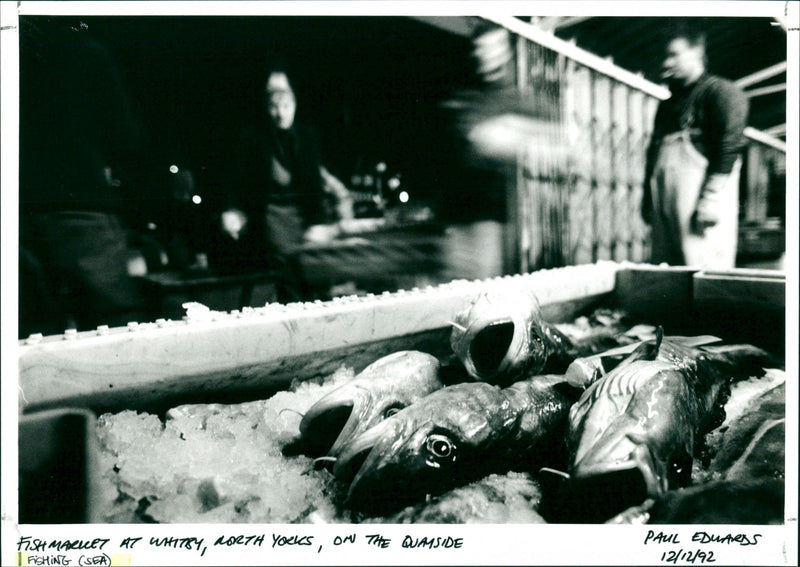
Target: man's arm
[(726, 118)]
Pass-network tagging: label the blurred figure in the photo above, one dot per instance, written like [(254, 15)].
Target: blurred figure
[(77, 135), (691, 197), (494, 125), (497, 120), (282, 195)]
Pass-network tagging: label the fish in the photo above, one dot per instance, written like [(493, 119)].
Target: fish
[(502, 337), (455, 436), (633, 433), (743, 480), (739, 502), (584, 371), (753, 445), (383, 388)]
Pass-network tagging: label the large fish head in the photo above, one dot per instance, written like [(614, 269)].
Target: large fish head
[(500, 335), (622, 458), (380, 390), (630, 436), (623, 475), (424, 449)]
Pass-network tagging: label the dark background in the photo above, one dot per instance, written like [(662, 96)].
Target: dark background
[(371, 85)]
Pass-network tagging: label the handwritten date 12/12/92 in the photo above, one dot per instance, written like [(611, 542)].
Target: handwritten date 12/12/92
[(688, 556)]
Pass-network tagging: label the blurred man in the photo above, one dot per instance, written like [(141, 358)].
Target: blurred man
[(691, 197), (78, 136)]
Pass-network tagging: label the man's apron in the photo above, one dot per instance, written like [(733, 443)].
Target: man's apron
[(675, 185)]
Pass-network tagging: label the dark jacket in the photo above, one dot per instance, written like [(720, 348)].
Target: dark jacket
[(715, 112), (76, 123), (297, 150)]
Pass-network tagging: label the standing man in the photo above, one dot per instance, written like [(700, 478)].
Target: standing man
[(691, 196)]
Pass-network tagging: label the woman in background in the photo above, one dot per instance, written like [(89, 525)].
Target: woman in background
[(282, 191)]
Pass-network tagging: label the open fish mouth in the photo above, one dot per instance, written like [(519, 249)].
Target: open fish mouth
[(329, 423), (382, 468), (379, 391), (351, 461), (491, 336), (597, 491), (602, 496), (638, 459), (594, 496), (324, 429), (347, 466), (497, 348), (489, 348)]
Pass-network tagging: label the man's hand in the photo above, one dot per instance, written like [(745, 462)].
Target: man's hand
[(706, 213), (701, 220), (344, 200)]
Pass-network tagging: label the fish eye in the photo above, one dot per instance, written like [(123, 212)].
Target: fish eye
[(391, 410), (537, 339), (440, 446)]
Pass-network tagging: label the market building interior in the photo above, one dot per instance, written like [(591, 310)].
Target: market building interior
[(391, 99)]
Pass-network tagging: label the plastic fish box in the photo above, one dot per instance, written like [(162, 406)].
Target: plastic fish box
[(209, 356), (252, 353), (58, 468)]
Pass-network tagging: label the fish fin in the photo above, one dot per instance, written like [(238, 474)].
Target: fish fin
[(461, 328), (659, 337), (324, 462), (695, 341)]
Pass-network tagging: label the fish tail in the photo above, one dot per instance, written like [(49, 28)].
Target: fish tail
[(739, 361)]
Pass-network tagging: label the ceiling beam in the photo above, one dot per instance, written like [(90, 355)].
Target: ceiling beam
[(766, 139), (778, 130), (765, 90), (579, 55), (761, 75)]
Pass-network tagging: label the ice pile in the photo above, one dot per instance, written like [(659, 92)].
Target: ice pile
[(213, 463), (510, 498)]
